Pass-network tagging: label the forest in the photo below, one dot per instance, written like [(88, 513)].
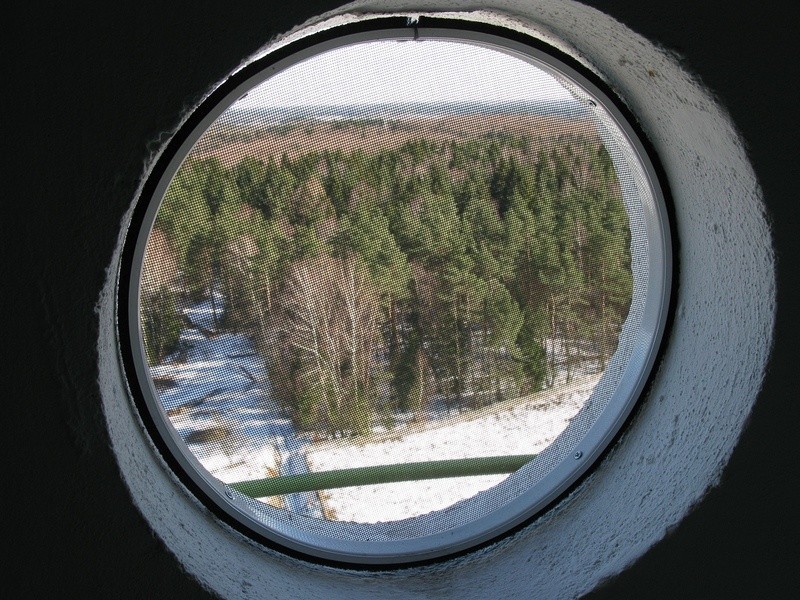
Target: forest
[(379, 279)]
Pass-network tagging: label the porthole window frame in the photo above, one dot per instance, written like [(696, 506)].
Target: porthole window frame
[(219, 498)]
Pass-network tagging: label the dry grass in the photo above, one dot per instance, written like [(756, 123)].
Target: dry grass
[(319, 136), (324, 502), (274, 501)]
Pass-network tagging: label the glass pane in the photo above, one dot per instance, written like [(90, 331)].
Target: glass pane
[(393, 252)]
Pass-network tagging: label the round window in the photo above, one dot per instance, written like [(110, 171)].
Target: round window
[(389, 293)]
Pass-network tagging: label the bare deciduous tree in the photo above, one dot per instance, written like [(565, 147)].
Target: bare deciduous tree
[(328, 333)]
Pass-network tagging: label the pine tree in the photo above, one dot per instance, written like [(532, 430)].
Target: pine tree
[(477, 267)]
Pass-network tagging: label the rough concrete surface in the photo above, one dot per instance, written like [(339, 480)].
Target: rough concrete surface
[(685, 429)]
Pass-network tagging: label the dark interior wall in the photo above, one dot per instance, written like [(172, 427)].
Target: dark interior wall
[(87, 92)]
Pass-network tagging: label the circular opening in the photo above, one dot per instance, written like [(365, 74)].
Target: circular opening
[(389, 294)]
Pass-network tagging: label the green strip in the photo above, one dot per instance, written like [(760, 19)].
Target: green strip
[(415, 471)]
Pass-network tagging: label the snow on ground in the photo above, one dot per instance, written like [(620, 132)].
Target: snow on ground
[(526, 428), (216, 394)]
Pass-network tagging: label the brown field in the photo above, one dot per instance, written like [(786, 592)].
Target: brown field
[(317, 136)]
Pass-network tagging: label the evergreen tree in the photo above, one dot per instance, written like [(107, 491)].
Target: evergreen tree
[(373, 280), (160, 320)]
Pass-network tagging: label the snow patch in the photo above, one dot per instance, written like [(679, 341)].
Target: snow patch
[(526, 428)]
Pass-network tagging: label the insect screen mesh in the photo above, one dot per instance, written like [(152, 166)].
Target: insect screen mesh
[(394, 253)]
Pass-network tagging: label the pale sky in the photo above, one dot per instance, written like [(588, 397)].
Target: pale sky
[(391, 71)]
